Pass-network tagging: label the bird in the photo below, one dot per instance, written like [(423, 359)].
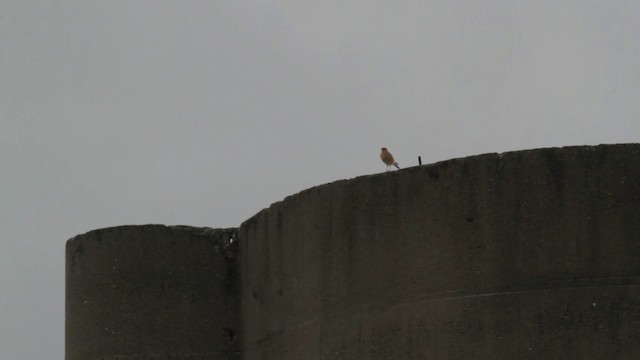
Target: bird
[(387, 158)]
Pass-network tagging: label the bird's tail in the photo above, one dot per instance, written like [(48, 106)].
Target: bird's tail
[(396, 165)]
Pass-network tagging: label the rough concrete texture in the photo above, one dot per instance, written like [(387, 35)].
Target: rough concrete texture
[(523, 255), (152, 292)]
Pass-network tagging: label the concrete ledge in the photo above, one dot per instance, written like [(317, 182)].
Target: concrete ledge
[(491, 256)]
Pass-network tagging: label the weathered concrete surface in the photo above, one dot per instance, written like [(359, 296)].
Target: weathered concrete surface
[(152, 292), (523, 255)]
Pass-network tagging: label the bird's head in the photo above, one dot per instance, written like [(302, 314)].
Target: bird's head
[(384, 149)]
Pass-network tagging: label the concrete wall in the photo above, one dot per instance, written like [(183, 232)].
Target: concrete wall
[(524, 255), (152, 292)]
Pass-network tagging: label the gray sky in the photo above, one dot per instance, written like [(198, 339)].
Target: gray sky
[(204, 112)]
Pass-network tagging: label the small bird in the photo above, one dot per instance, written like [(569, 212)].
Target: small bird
[(387, 158)]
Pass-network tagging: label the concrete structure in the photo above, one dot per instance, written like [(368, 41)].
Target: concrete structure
[(523, 255), (152, 292)]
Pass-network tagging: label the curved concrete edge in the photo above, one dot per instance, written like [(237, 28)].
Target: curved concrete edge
[(203, 231), (449, 162)]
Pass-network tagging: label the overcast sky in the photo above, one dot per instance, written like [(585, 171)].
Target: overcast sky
[(204, 112)]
